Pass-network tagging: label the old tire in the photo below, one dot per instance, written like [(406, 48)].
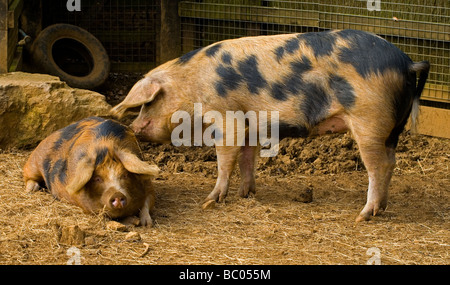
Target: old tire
[(72, 54)]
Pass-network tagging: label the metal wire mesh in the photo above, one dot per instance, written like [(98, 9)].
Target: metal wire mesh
[(421, 28), (128, 29)]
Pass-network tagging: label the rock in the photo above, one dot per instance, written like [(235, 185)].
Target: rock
[(116, 226), (71, 235), (32, 106), (305, 195), (133, 236)]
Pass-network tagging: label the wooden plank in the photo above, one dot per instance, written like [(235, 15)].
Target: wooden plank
[(433, 122), (13, 39), (3, 36), (16, 63), (170, 36), (14, 11)]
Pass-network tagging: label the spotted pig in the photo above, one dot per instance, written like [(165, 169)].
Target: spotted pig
[(324, 82), (97, 165)]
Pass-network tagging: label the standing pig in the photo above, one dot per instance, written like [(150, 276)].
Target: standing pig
[(319, 83), (95, 164)]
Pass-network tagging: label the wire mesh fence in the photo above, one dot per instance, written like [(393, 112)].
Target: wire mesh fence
[(128, 29), (421, 28)]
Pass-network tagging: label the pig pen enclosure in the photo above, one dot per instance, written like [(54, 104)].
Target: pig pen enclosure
[(307, 197)]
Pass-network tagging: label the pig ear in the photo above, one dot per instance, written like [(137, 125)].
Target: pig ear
[(82, 174), (133, 164), (143, 91)]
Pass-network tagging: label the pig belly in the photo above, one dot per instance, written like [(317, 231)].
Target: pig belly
[(334, 124)]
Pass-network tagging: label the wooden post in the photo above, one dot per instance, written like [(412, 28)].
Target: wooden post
[(170, 37), (3, 36)]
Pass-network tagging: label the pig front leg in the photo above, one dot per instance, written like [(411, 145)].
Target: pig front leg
[(247, 162), (144, 214), (226, 160)]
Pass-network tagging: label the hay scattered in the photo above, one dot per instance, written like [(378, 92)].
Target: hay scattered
[(273, 227)]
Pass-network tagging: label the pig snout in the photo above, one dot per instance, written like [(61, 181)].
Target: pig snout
[(138, 126), (115, 201), (118, 201)]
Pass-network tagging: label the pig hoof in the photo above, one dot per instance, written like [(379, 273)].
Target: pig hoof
[(369, 211), (211, 204), (246, 191), (361, 218), (32, 186)]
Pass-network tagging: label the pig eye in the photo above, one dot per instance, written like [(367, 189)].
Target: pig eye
[(97, 179)]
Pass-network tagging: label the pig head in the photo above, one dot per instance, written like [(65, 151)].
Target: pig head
[(95, 164)]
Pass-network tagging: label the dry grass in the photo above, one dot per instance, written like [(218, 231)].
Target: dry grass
[(270, 228)]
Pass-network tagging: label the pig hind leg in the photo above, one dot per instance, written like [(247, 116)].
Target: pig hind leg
[(226, 160), (32, 186), (32, 176), (247, 162), (379, 161)]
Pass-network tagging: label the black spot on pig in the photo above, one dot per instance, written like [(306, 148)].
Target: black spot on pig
[(299, 67), (279, 52), (290, 47), (100, 155), (321, 43), (343, 90), (211, 51), (111, 128), (59, 170), (251, 75), (294, 82), (226, 57), (369, 53), (402, 109), (315, 102), (229, 80), (67, 133), (278, 91), (47, 165), (292, 131), (186, 57)]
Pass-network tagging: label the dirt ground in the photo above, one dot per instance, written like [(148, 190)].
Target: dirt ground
[(275, 226)]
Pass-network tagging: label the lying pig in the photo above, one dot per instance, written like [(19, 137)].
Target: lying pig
[(320, 83), (95, 164)]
